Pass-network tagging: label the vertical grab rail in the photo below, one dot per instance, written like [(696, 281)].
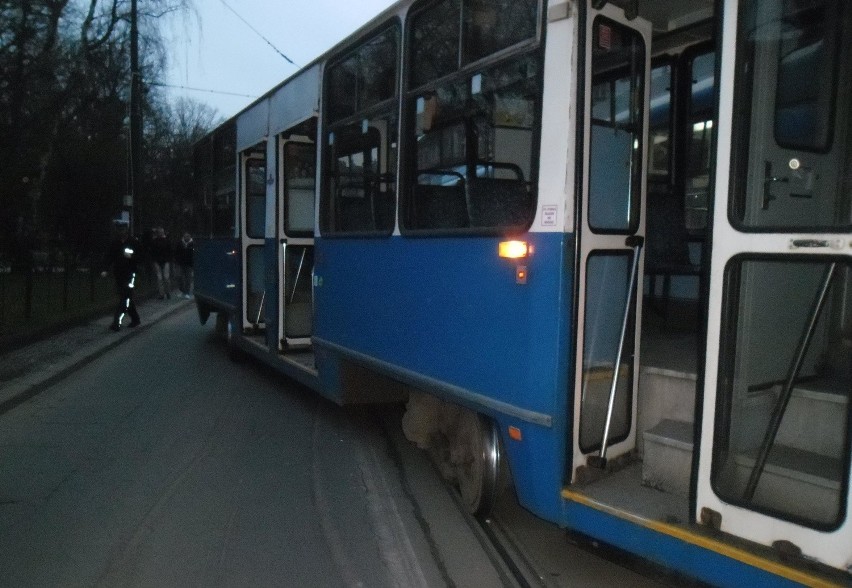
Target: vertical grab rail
[(793, 373), (298, 275), (636, 243)]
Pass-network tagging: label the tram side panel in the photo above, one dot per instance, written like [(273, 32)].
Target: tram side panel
[(450, 317), (217, 274)]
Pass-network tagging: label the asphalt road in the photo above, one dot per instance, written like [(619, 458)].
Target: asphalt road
[(147, 458), (161, 463)]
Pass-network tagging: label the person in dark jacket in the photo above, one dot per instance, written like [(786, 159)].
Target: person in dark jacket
[(161, 256), (183, 258), (123, 258)]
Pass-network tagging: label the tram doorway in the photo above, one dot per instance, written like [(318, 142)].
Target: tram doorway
[(295, 235)]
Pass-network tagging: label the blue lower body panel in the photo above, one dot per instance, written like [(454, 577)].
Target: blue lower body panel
[(217, 272), (448, 315)]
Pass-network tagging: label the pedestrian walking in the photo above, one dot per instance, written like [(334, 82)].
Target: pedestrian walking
[(161, 256), (184, 254), (123, 259)]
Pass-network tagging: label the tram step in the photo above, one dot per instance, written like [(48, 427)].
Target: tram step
[(816, 416), (814, 421), (668, 456), (793, 477), (664, 394)]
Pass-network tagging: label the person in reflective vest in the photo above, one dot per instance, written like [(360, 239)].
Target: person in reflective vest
[(123, 258)]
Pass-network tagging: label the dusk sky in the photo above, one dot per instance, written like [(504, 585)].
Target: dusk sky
[(218, 53)]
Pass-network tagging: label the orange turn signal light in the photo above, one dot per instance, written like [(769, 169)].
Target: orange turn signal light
[(513, 249), (515, 434)]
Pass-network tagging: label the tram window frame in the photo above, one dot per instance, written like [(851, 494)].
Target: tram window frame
[(342, 121), (725, 433), (361, 145), (299, 177), (458, 40), (634, 126), (255, 195), (744, 185), (831, 36), (215, 161), (696, 223), (659, 173), (462, 125)]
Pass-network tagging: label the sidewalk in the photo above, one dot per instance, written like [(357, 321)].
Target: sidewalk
[(27, 371)]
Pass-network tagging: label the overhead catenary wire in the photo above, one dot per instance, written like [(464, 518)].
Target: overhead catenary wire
[(258, 33), (209, 91)]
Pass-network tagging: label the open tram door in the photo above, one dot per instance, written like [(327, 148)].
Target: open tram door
[(297, 189), (610, 227), (252, 228), (774, 460)]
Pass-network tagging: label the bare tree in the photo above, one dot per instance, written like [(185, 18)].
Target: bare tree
[(64, 80)]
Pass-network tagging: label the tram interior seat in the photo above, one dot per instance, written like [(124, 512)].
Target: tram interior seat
[(498, 202), (667, 244), (440, 207)]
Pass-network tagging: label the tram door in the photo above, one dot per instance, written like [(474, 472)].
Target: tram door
[(610, 229), (252, 227), (775, 434), (297, 161)]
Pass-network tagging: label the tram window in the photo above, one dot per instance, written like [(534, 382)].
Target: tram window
[(343, 79), (699, 148), (299, 183), (440, 45), (492, 26), (435, 44), (607, 283), (473, 150), (804, 101), (364, 78), (781, 443), (791, 158), (222, 221), (659, 134), (615, 165), (377, 72), (255, 198), (360, 146), (361, 177)]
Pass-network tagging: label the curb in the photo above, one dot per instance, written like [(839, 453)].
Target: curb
[(25, 387)]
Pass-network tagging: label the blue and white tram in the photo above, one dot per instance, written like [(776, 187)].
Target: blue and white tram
[(466, 205)]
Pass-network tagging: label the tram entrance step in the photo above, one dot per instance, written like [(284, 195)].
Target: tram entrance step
[(664, 394), (668, 456), (793, 477)]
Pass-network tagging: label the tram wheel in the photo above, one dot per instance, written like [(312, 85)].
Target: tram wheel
[(476, 456)]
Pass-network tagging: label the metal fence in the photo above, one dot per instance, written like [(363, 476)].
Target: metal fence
[(37, 299)]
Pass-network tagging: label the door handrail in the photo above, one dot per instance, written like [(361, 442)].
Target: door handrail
[(636, 243), (780, 408)]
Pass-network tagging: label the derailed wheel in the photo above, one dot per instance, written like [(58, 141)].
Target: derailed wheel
[(475, 454)]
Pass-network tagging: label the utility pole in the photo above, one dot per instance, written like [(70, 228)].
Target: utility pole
[(131, 201)]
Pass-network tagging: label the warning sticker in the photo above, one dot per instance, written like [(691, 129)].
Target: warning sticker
[(548, 215)]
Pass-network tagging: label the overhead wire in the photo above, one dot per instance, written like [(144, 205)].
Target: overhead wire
[(209, 91), (258, 33)]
